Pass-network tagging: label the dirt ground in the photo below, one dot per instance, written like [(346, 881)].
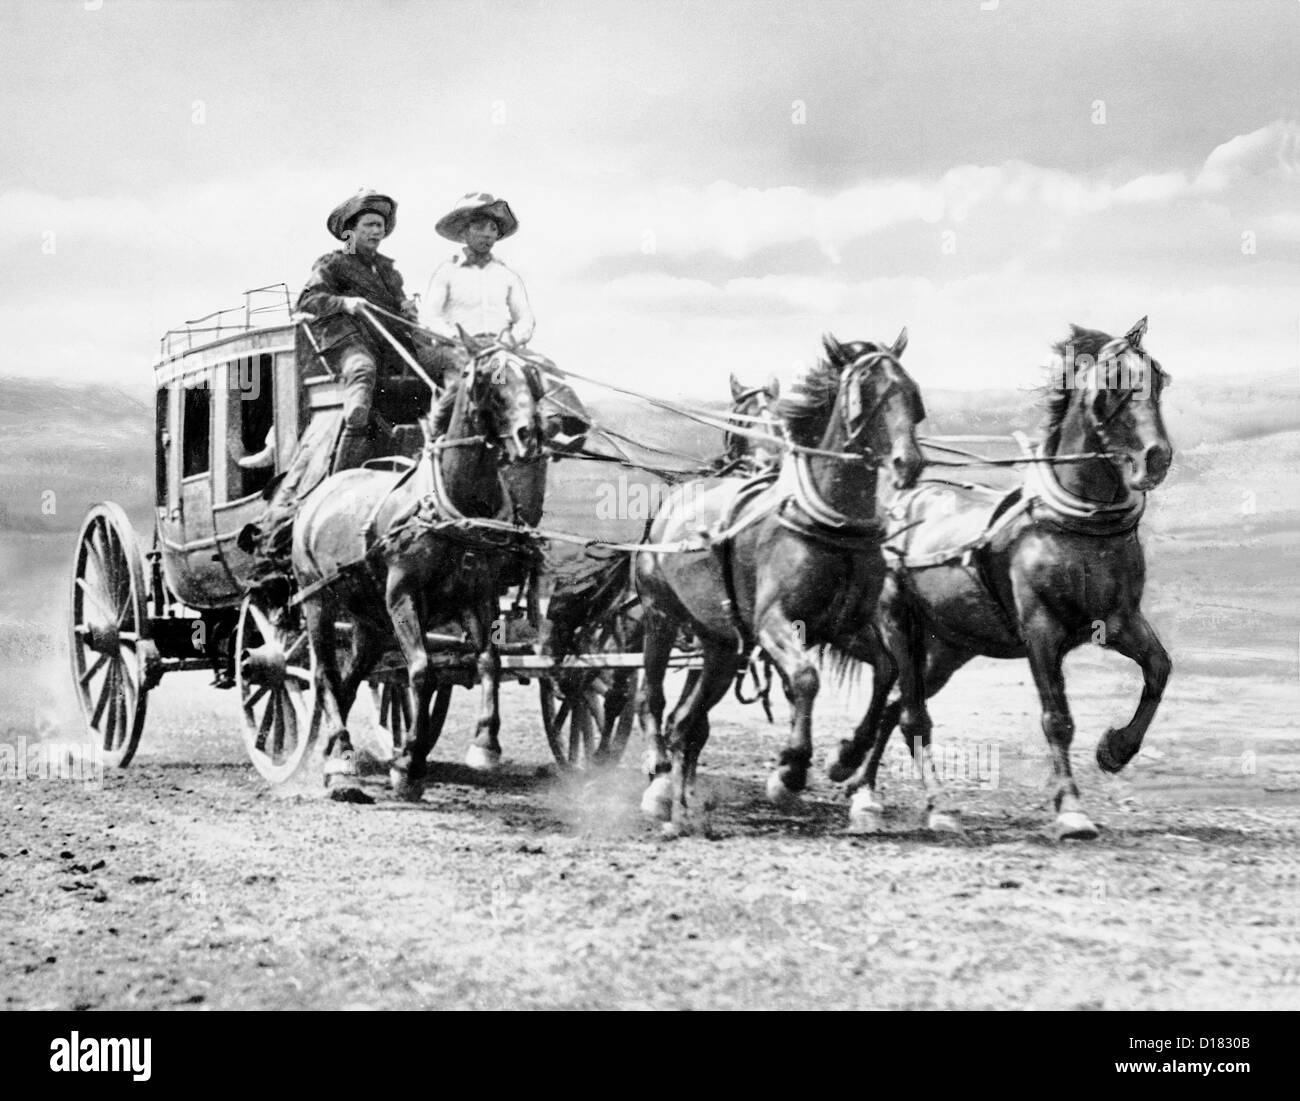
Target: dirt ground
[(183, 882)]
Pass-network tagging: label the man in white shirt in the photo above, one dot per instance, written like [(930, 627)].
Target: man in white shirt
[(474, 290)]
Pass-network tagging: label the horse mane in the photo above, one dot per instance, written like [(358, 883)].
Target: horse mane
[(807, 407), (1057, 394)]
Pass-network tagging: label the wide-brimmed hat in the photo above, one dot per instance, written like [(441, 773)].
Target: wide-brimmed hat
[(475, 205), (361, 202)]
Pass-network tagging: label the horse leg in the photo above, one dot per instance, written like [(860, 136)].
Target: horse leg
[(688, 726), (1048, 644), (866, 647), (657, 800), (364, 656), (484, 753), (1134, 638), (785, 645), (924, 666), (341, 782), (406, 771)]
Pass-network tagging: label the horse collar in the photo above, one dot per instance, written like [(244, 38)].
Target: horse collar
[(1079, 514)]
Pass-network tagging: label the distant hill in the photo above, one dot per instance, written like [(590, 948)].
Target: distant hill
[(85, 444), (63, 448)]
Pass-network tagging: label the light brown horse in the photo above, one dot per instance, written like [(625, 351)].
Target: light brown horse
[(806, 571), (384, 551), (1064, 568)]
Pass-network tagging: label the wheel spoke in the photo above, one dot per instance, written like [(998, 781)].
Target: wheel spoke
[(252, 700), (105, 691), (112, 580), (84, 679), (295, 647), (97, 553), (277, 728), (263, 624), (123, 726), (110, 717), (96, 599), (297, 672), (127, 673)]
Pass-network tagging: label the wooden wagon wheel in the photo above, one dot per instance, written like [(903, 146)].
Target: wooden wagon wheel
[(275, 670), (113, 662), (588, 714)]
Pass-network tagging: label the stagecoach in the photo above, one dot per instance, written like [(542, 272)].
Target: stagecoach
[(227, 387)]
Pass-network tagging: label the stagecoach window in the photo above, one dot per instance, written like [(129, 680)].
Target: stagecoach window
[(196, 433), (252, 392), (162, 447)]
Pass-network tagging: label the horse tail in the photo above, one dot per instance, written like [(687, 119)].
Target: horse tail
[(845, 669)]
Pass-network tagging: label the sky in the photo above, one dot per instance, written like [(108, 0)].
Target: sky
[(702, 188)]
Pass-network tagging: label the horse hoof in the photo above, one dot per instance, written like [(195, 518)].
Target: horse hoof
[(838, 772), (352, 795), (404, 788), (866, 813), (341, 783), (942, 821), (657, 799), (483, 760), (1072, 825), (1107, 761), (670, 831), (778, 794)]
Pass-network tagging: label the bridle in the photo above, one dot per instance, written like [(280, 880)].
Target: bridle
[(1112, 352), (858, 421), (733, 441), (473, 378)]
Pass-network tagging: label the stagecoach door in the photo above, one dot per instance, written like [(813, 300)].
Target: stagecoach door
[(205, 571)]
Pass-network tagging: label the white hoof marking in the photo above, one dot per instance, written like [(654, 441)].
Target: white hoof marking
[(778, 794), (657, 799), (1073, 825), (482, 760), (942, 821), (866, 813)]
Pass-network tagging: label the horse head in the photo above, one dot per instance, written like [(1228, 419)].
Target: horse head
[(879, 405), (1108, 390), (751, 408), (504, 390)]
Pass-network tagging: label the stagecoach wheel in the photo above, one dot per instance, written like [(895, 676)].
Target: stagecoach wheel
[(275, 670), (113, 662), (588, 715)]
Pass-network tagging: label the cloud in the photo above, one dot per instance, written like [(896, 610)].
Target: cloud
[(681, 284)]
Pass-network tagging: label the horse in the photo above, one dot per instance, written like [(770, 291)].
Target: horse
[(390, 551), (794, 564), (752, 409), (1061, 565)]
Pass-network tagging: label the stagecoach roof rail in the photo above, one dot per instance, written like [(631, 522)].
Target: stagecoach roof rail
[(195, 326)]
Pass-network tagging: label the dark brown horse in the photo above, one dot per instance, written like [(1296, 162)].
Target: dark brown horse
[(794, 566), (384, 551), (1062, 567)]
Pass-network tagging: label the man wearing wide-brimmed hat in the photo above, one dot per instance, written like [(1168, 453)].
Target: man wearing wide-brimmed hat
[(341, 282), (474, 290)]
